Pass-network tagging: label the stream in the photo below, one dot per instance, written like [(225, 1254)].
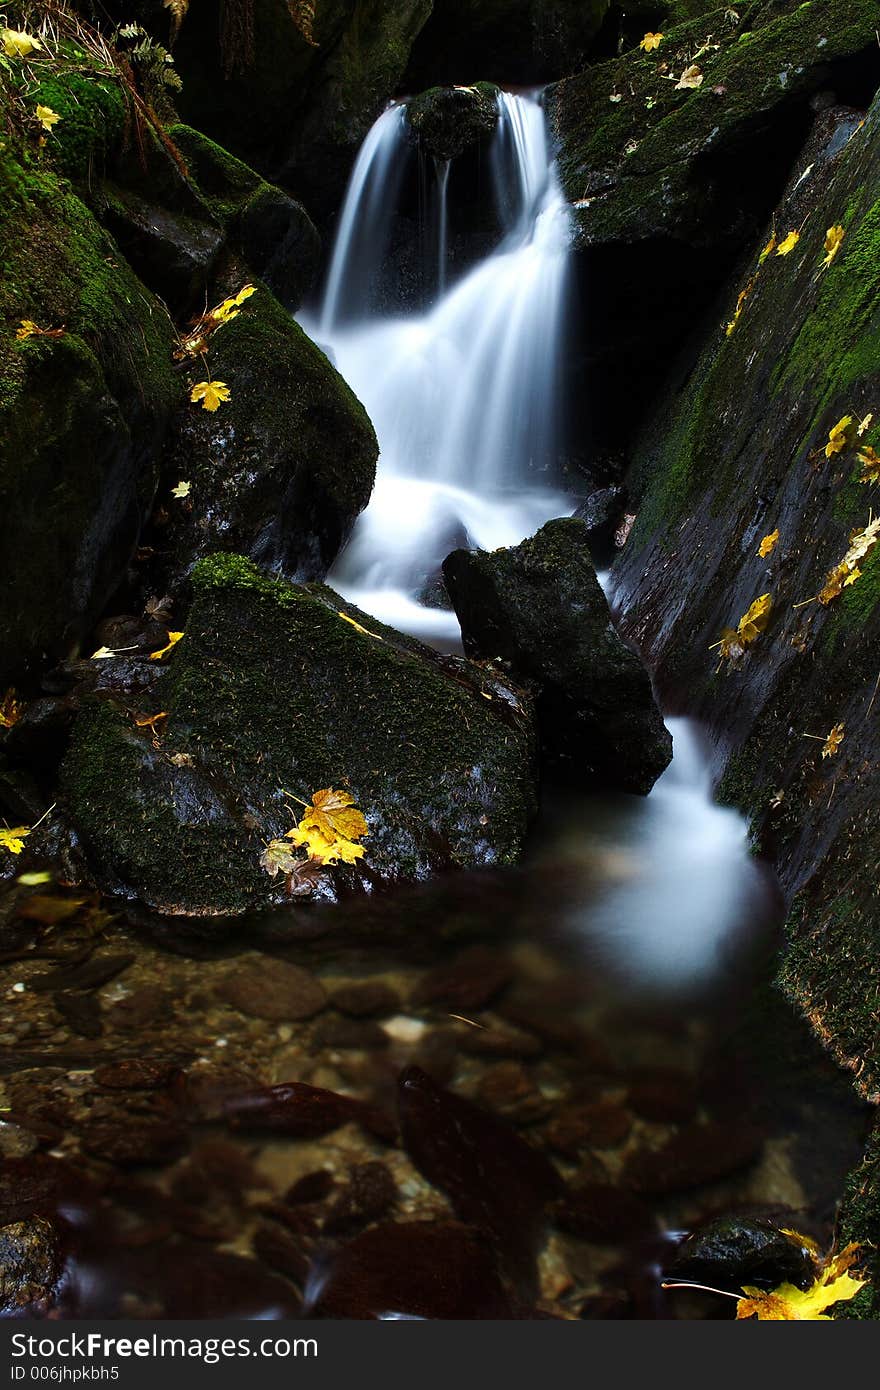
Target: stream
[(608, 1006)]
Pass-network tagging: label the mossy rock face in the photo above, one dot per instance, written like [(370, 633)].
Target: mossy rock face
[(539, 609), (642, 158), (741, 450), (508, 41), (448, 120), (272, 694), (283, 468), (82, 416)]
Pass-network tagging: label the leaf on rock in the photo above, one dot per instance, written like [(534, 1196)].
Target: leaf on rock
[(210, 393), (366, 632), (870, 461), (335, 815), (840, 436), (768, 250), (833, 242), (14, 839), (833, 741), (183, 489), (834, 1284), (735, 641), (173, 639), (11, 709), (151, 721), (47, 117), (324, 849), (28, 329), (650, 42), (278, 858), (691, 77), (861, 543), (865, 424), (788, 243), (18, 44), (768, 544)]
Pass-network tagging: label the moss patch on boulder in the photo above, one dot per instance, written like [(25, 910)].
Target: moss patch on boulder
[(272, 694)]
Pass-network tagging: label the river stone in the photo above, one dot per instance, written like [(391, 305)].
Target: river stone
[(272, 989), (538, 607), (737, 1250), (271, 691), (29, 1263), (447, 120)]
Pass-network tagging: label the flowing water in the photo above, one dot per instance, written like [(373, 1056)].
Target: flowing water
[(607, 1003), (464, 394)]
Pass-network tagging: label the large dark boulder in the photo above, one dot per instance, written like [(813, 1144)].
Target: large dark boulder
[(281, 470), (448, 120), (538, 608), (273, 694)]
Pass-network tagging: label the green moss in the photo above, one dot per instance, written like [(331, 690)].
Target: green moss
[(94, 117), (270, 691), (859, 1221)]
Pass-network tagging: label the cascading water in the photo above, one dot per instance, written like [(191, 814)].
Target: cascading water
[(465, 396)]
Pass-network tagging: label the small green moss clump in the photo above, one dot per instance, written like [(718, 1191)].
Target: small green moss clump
[(93, 122)]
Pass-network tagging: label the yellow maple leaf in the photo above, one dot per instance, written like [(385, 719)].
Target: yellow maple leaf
[(47, 117), (10, 709), (840, 436), (183, 489), (833, 242), (26, 329), (13, 840), (650, 42), (865, 424), (334, 814), (691, 77), (870, 461), (734, 641), (768, 544), (833, 1284), (325, 850), (833, 741), (788, 243), (861, 543), (278, 858), (173, 639), (18, 44), (741, 304), (210, 393)]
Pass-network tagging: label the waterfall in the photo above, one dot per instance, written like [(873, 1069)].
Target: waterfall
[(465, 396)]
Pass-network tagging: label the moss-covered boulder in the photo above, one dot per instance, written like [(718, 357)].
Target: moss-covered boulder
[(282, 469), (509, 41), (759, 437), (82, 414), (273, 694), (539, 609), (448, 120)]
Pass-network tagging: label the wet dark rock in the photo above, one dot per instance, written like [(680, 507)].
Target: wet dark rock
[(277, 1248), (697, 1154), (135, 1074), (369, 999), (302, 1111), (443, 775), (602, 1214), (172, 253), (510, 1091), (369, 1194), (81, 1013), (91, 974), (601, 514), (539, 608), (16, 1141), (348, 1033), (30, 1263), (130, 1143), (418, 1269), (216, 1166), (602, 1125), (28, 1186), (212, 1284), (272, 989), (40, 736), (446, 120), (313, 1187), (738, 1250), (146, 1005), (492, 1177), (466, 984), (662, 1095), (281, 470)]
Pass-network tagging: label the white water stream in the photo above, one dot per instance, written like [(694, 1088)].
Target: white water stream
[(466, 401)]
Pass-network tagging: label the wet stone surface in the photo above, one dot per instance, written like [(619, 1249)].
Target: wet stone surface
[(467, 1130)]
